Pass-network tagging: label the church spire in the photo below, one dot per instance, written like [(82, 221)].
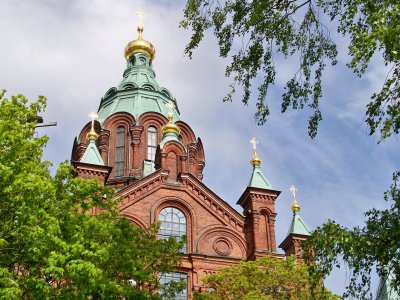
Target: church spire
[(92, 155), (297, 226), (257, 179), (140, 45)]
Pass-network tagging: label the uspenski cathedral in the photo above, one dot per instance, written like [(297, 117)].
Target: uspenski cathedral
[(140, 144)]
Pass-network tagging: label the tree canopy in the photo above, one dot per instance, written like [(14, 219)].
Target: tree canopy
[(375, 245), (265, 278), (256, 33), (51, 247)]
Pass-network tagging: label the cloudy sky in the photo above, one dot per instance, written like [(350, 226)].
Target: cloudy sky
[(72, 52)]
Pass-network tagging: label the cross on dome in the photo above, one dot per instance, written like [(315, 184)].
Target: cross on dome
[(295, 206), (140, 13), (170, 105), (92, 135), (293, 189), (254, 142), (255, 161)]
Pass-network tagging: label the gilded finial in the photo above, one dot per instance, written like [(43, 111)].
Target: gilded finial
[(170, 127), (92, 135), (140, 45), (255, 160), (295, 206), (140, 13)]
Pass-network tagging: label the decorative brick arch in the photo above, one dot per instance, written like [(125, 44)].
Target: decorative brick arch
[(136, 220), (187, 133), (119, 119), (156, 119), (211, 237), (185, 208)]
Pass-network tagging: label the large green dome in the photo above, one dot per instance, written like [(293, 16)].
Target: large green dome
[(138, 92)]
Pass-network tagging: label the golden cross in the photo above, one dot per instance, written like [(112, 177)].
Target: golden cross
[(170, 105), (140, 13), (93, 116), (254, 142), (293, 189)]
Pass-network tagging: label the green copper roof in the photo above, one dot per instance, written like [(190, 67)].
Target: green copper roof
[(386, 291), (298, 226), (258, 180), (137, 93), (92, 155)]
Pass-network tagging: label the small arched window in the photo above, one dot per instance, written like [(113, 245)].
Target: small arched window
[(173, 224), (120, 152), (151, 143)]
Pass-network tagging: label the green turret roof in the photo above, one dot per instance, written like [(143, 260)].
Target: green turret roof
[(258, 180), (298, 226), (92, 155), (137, 93)]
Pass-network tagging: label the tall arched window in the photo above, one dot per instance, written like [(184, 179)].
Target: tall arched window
[(173, 224), (151, 143), (120, 152), (166, 278)]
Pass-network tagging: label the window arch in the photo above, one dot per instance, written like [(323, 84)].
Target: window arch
[(173, 224), (120, 151), (151, 143)]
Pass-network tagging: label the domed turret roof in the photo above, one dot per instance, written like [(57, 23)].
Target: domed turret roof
[(138, 92), (139, 46)]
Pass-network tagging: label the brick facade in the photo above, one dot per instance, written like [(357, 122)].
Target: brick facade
[(217, 234)]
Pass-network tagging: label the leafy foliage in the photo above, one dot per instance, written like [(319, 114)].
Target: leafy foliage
[(51, 246), (264, 278), (362, 249), (270, 29)]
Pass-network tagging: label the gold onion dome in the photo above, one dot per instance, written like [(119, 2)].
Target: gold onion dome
[(295, 206), (139, 46), (170, 127), (92, 135), (255, 160)]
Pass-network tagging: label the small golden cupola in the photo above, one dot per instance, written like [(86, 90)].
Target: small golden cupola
[(295, 206), (139, 46), (171, 127), (255, 160)]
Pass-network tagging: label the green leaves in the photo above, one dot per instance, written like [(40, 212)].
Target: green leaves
[(361, 249), (51, 245), (266, 278), (255, 32)]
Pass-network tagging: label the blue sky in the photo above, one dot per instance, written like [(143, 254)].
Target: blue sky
[(72, 52)]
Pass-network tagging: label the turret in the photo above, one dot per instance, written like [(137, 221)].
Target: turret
[(298, 231), (258, 202), (91, 165)]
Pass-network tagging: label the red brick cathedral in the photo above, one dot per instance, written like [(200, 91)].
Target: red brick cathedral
[(140, 145)]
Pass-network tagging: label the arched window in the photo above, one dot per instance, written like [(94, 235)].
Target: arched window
[(151, 143), (173, 224), (166, 278), (120, 152)]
